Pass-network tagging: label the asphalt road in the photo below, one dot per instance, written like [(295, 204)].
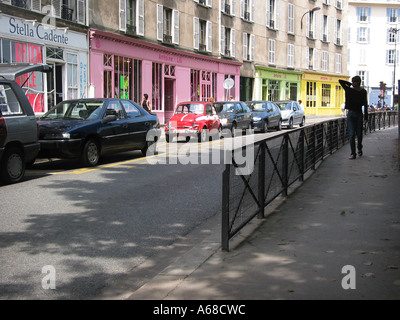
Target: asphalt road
[(68, 232)]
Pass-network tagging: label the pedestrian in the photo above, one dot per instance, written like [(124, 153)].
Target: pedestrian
[(301, 105), (356, 99), (146, 105)]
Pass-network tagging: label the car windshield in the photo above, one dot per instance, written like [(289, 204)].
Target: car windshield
[(225, 107), (256, 106), (284, 105), (78, 110), (197, 108)]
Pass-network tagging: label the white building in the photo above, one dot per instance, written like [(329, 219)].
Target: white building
[(372, 47)]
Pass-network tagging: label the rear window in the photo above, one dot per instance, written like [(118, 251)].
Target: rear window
[(9, 104)]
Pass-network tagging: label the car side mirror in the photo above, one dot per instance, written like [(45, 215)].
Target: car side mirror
[(109, 118)]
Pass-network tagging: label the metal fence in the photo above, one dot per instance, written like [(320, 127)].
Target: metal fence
[(280, 161)]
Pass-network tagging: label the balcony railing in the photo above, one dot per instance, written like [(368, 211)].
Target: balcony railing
[(66, 13)]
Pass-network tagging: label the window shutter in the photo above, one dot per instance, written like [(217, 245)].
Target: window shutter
[(252, 46), (36, 5), (276, 26), (222, 41), (175, 31), (209, 37), (233, 43), (122, 15), (81, 14), (160, 20), (140, 18), (245, 47), (196, 33), (233, 7), (241, 9), (56, 8)]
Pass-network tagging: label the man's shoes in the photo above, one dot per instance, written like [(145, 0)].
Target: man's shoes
[(352, 157), (360, 153)]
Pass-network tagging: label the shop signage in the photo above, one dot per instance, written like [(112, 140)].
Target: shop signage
[(39, 31)]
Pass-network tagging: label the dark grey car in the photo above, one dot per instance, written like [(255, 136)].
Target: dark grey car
[(266, 114), (18, 126), (234, 115)]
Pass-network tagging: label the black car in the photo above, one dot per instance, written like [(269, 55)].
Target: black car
[(266, 115), (234, 115), (89, 128), (18, 128)]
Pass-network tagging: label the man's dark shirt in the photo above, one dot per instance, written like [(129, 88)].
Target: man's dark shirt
[(355, 99)]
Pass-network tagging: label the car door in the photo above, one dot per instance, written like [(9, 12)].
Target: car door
[(239, 115), (212, 119), (138, 125), (247, 116), (297, 115), (114, 134)]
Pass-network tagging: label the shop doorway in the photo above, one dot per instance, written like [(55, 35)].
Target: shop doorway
[(55, 85), (169, 98)]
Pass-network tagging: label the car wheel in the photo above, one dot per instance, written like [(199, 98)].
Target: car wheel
[(303, 122), (90, 153), (203, 135), (265, 127), (12, 166), (290, 123), (279, 126)]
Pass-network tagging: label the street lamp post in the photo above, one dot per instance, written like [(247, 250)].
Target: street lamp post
[(312, 10)]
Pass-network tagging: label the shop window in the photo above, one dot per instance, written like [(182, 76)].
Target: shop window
[(273, 90), (326, 95), (122, 77), (157, 87), (72, 76), (54, 53), (202, 85), (311, 94)]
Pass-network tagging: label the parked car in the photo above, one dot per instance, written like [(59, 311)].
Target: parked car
[(266, 115), (292, 113), (18, 127), (234, 115), (89, 128), (195, 118)]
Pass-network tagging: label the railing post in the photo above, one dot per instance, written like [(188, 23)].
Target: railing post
[(285, 164), (313, 147), (225, 208), (261, 180), (301, 146)]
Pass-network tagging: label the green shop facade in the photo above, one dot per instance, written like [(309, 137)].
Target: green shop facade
[(274, 85)]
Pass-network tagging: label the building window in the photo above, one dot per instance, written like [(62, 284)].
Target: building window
[(326, 95), (392, 15), (202, 35), (271, 51), (272, 14), (228, 42), (311, 25), (363, 34), (247, 10), (131, 16), (312, 58), (325, 28), (228, 7), (390, 56), (311, 94), (363, 14), (248, 46), (338, 32), (167, 25)]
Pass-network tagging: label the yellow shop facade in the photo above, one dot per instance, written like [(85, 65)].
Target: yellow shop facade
[(321, 93)]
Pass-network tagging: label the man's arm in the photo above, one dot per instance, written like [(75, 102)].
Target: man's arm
[(345, 84)]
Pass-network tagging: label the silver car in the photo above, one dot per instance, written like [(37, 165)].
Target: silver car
[(292, 113), (18, 126)]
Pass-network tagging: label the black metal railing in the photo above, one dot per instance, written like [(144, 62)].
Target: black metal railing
[(279, 162)]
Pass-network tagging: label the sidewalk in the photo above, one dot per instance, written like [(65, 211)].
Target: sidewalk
[(346, 213)]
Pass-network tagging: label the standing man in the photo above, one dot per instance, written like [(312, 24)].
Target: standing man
[(356, 99)]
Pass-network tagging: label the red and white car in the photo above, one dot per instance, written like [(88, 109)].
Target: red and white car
[(195, 118)]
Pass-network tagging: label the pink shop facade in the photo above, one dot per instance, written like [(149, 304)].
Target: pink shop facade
[(127, 68)]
